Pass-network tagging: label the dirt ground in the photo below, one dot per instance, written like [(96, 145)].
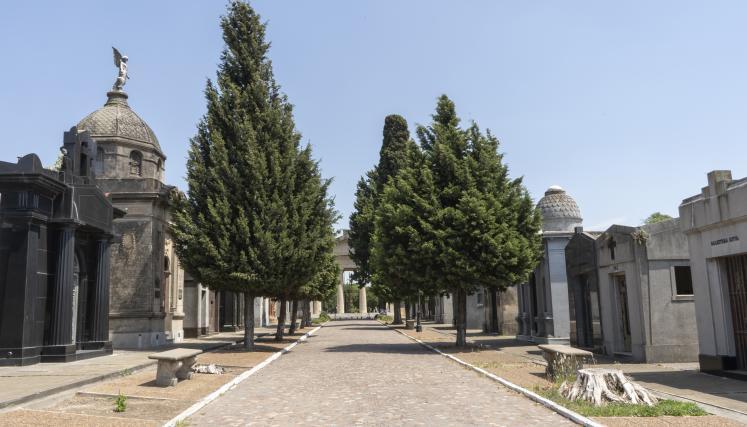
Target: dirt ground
[(512, 365), (147, 403)]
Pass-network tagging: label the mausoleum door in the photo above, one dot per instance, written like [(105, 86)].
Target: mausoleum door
[(736, 270), (624, 313)]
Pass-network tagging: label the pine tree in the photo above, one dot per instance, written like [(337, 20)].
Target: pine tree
[(257, 219), (397, 152)]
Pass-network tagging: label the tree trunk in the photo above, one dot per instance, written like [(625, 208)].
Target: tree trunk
[(248, 321), (397, 313), (493, 311), (304, 312), (601, 385), (454, 309), (407, 309), (294, 316), (309, 303), (461, 318), (281, 321)]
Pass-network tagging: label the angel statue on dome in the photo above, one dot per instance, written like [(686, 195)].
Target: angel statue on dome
[(120, 61)]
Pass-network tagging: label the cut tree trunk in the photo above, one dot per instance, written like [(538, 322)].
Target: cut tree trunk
[(248, 321), (601, 385), (294, 316), (281, 320), (460, 317), (397, 313)]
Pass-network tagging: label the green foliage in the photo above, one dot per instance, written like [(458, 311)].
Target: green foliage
[(324, 284), (57, 165), (398, 151), (323, 317), (656, 217), (385, 318), (120, 403), (452, 220), (257, 218), (662, 407)]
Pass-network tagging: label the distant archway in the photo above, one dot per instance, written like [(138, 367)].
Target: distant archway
[(346, 264)]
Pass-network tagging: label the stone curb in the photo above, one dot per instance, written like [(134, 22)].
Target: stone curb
[(234, 382), (571, 415), (103, 377)]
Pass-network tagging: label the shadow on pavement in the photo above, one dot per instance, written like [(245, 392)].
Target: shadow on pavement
[(400, 348)]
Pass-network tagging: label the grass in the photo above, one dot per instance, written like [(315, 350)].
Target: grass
[(120, 403), (323, 317), (384, 318), (663, 407)]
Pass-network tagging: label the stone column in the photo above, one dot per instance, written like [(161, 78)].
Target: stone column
[(61, 326), (363, 307), (317, 308), (101, 294), (341, 294)]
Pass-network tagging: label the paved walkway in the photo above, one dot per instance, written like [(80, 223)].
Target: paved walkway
[(20, 384), (362, 373)]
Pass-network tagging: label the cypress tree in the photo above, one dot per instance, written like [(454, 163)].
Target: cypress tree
[(457, 222), (257, 219), (397, 152)]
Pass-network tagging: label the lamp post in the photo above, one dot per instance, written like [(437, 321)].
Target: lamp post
[(418, 326)]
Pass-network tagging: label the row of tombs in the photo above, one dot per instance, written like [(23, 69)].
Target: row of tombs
[(87, 260), (672, 291)]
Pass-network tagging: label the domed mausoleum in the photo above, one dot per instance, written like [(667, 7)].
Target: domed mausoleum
[(559, 211), (146, 303), (543, 300)]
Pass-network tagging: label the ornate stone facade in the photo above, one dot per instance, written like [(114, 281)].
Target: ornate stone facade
[(147, 281)]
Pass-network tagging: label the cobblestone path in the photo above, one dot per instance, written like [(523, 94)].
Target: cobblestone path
[(362, 373)]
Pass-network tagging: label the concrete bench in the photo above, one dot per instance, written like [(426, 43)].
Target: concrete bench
[(174, 365), (410, 324), (564, 361)]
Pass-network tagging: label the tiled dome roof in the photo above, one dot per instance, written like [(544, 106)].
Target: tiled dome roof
[(559, 211), (116, 119)]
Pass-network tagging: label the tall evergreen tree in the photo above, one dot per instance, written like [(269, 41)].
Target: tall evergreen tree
[(257, 219), (458, 222), (397, 152)]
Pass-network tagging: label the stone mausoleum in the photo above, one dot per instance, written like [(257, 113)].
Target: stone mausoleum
[(715, 223), (646, 293), (543, 300), (147, 293), (55, 233)]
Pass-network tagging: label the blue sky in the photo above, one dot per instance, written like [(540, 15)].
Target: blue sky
[(627, 105)]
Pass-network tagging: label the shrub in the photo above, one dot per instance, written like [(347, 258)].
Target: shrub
[(385, 318), (120, 403), (323, 317)]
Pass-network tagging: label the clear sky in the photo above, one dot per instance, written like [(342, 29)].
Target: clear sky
[(627, 105)]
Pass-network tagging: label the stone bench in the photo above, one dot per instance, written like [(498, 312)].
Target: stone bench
[(564, 361), (410, 324), (174, 365)]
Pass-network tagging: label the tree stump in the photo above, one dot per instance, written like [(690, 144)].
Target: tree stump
[(600, 386)]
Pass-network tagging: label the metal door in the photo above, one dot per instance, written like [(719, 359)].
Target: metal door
[(735, 271), (622, 301)]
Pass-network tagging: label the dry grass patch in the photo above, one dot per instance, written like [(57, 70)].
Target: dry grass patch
[(26, 417)]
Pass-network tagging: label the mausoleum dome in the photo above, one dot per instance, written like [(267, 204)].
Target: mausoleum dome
[(559, 211), (116, 120)]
